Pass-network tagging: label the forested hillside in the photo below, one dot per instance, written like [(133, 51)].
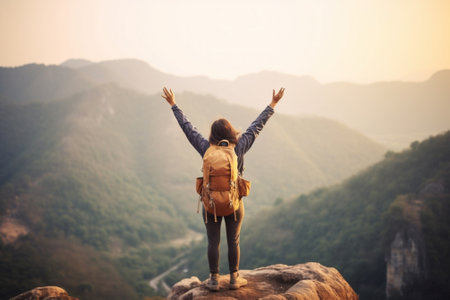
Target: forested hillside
[(70, 181), (311, 151), (105, 177), (356, 225), (385, 229)]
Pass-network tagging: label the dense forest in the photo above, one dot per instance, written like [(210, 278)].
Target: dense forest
[(77, 190), (351, 225), (97, 176)]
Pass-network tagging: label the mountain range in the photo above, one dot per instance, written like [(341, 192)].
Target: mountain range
[(392, 113), (101, 172)]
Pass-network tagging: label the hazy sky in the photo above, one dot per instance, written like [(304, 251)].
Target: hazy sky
[(353, 40)]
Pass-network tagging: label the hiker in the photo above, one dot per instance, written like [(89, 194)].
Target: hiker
[(222, 131)]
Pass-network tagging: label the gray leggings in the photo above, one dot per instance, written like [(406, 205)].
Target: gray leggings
[(233, 229)]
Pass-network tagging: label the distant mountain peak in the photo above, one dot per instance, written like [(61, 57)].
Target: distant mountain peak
[(442, 76), (134, 62), (75, 63)]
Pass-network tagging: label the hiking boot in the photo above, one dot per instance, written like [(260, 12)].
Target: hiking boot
[(213, 282), (236, 281)]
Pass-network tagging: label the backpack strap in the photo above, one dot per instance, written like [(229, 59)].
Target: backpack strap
[(206, 171)]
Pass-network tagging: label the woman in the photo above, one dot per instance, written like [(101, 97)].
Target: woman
[(221, 129)]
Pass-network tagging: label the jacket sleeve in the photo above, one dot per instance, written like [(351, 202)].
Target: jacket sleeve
[(195, 138), (248, 137)]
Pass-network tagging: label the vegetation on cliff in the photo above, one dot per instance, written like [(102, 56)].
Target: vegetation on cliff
[(349, 226)]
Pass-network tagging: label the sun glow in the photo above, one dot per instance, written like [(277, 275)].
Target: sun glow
[(359, 41)]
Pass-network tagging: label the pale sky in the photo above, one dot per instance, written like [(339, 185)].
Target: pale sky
[(334, 40)]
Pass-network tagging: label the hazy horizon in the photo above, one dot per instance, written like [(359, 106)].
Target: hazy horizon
[(233, 78), (352, 41)]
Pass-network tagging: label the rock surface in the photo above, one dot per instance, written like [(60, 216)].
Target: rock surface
[(45, 293), (406, 269), (310, 281)]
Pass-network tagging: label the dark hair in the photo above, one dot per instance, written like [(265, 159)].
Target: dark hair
[(222, 129)]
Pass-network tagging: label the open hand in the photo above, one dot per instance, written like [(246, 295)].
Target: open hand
[(169, 96), (277, 97)]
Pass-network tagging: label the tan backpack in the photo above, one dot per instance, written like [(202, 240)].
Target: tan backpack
[(219, 187)]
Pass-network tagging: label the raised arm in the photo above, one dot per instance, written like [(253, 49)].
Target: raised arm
[(194, 137), (248, 137)]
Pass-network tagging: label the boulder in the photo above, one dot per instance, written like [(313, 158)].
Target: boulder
[(45, 293), (310, 281)]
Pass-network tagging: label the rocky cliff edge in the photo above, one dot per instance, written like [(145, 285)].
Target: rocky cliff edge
[(310, 281), (45, 293)]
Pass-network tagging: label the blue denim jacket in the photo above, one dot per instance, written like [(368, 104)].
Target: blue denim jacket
[(245, 140)]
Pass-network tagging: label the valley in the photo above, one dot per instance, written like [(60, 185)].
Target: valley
[(94, 166)]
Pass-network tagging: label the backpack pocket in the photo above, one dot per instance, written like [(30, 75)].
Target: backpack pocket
[(244, 187)]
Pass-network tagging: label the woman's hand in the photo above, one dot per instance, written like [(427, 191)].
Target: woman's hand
[(276, 97), (169, 96)]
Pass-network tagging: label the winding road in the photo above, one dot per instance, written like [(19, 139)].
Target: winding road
[(154, 282)]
